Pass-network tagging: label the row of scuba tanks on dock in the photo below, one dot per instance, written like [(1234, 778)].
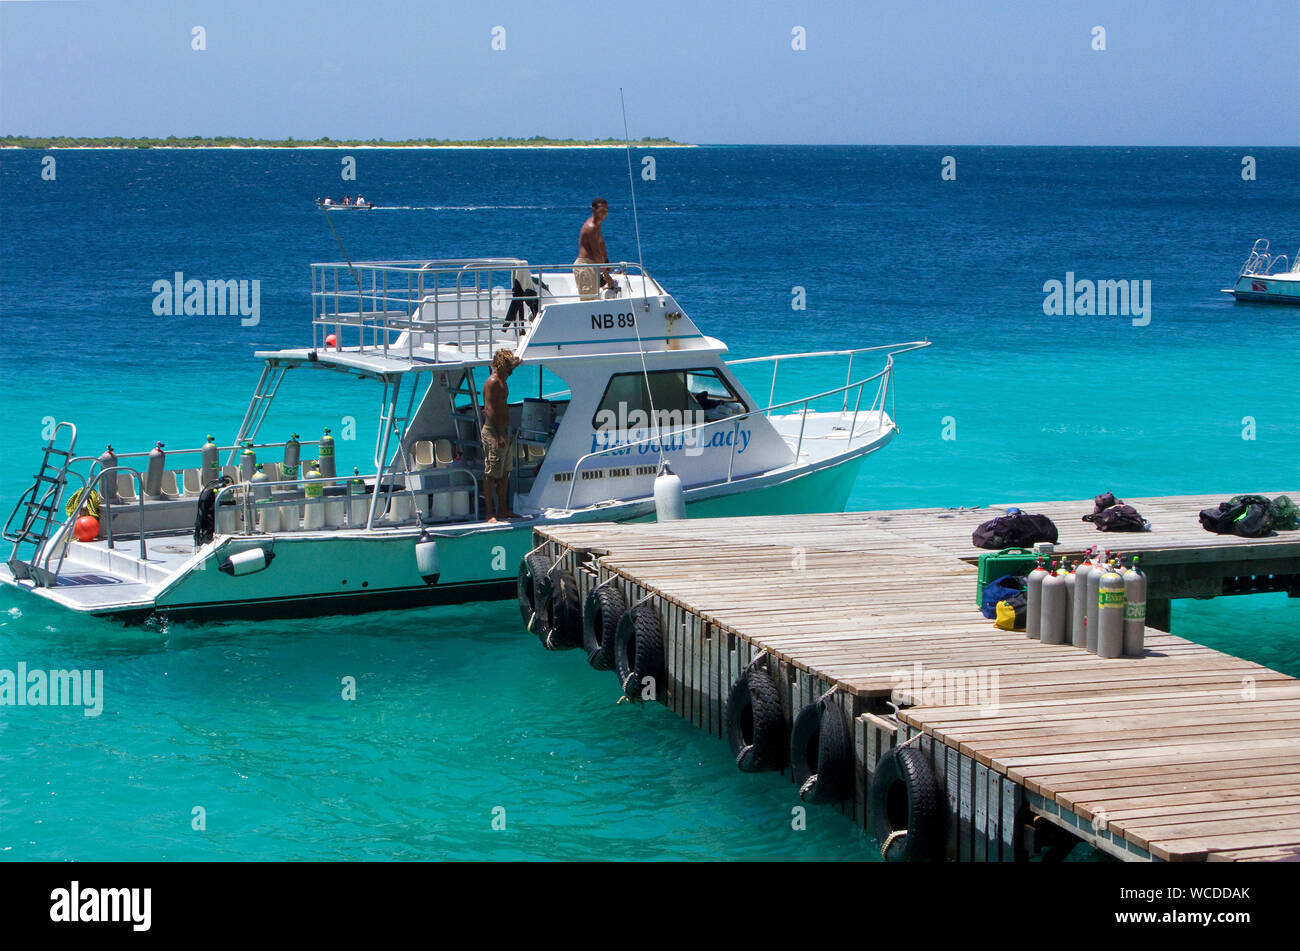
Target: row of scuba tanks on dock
[(1098, 604)]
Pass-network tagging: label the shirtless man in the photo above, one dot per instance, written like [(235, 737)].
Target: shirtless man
[(498, 448), (591, 250)]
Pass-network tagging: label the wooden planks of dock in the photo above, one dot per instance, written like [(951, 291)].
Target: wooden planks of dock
[(1185, 753)]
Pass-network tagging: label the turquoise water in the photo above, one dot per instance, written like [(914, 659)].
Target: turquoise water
[(457, 712)]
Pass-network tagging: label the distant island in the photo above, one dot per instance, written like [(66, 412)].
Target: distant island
[(241, 142)]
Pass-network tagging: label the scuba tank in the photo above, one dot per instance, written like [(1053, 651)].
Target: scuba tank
[(247, 462), (289, 471), (326, 461), (1094, 587), (1079, 614), (1110, 601), (108, 483), (313, 513), (1052, 608), (153, 475), (1034, 603), (211, 468), (260, 491), (1135, 610), (1070, 582), (356, 499)]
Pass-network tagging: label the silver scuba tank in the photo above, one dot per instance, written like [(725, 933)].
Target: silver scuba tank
[(1079, 612), (313, 513), (153, 475), (1052, 608), (1070, 582), (1093, 617), (326, 460), (259, 478), (358, 509), (1135, 610), (108, 482), (292, 453), (247, 462), (1034, 602), (1110, 602), (211, 462)]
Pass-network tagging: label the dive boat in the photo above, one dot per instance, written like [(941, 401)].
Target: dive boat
[(1266, 277), (636, 387)]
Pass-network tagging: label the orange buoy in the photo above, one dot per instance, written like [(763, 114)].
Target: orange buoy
[(330, 340), (86, 529)]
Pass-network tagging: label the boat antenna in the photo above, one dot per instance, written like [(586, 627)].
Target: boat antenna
[(640, 260), (351, 269), (631, 181)]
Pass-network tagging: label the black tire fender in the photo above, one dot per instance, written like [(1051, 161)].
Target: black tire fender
[(559, 610), (821, 753), (639, 652), (601, 612), (532, 568), (756, 726), (907, 809)]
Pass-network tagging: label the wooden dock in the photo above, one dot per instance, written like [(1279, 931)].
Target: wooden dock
[(1183, 754)]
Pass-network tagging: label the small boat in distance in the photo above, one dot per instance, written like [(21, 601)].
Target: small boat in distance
[(346, 204), (1266, 277)]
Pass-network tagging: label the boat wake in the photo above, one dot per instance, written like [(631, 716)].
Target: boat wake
[(463, 207)]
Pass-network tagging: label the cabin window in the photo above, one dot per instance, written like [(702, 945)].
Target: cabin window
[(679, 397)]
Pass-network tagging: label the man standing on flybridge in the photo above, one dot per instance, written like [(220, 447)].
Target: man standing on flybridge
[(591, 250)]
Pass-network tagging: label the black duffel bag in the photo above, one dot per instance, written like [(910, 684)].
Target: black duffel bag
[(1015, 529), (1119, 518), (1245, 515)]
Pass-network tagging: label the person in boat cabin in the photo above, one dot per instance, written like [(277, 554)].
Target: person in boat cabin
[(591, 250), (498, 448)]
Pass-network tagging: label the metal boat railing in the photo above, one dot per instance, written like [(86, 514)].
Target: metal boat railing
[(1260, 263), (106, 521), (775, 360), (370, 305), (883, 391)]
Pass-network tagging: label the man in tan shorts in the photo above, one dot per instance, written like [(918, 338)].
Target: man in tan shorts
[(498, 448), (591, 250)]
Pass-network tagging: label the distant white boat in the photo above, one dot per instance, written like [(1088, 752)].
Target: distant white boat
[(1267, 277), (339, 206)]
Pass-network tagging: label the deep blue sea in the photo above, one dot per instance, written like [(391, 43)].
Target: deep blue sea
[(460, 714)]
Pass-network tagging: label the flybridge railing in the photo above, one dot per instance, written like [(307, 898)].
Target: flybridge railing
[(395, 307)]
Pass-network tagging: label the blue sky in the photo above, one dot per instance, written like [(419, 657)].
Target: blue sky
[(1173, 73)]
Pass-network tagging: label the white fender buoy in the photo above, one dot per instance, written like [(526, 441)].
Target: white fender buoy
[(247, 562), (426, 559), (670, 498)]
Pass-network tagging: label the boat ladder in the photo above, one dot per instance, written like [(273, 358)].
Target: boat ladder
[(39, 508)]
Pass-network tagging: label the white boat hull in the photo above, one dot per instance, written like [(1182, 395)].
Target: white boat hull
[(342, 572), (1270, 288)]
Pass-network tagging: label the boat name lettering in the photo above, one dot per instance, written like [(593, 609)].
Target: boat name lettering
[(694, 443)]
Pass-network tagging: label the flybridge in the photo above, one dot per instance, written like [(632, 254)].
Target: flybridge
[(463, 310)]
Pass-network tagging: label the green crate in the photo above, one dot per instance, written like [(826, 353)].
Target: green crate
[(1008, 561)]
